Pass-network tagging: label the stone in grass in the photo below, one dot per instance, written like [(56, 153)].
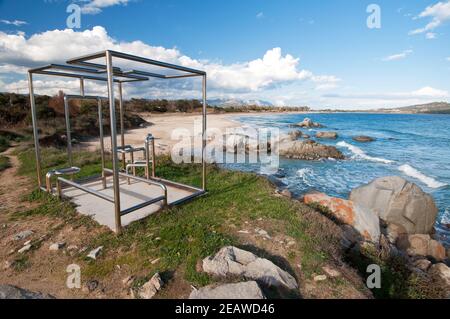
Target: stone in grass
[(24, 249), (242, 290), (23, 234), (331, 272), (56, 246), (320, 278), (12, 292), (95, 252), (232, 261), (150, 288)]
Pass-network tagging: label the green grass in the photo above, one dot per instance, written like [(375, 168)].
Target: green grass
[(4, 163), (182, 236)]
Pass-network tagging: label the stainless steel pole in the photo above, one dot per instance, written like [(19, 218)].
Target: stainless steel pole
[(204, 136), (82, 86), (68, 134), (102, 143), (115, 161), (35, 129), (122, 131)]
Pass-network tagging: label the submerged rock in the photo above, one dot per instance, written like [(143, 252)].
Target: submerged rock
[(309, 150), (397, 201), (232, 261), (328, 135), (363, 139), (242, 290), (363, 220), (308, 123)]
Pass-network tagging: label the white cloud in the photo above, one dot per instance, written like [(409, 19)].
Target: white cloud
[(272, 70), (398, 56), (96, 6), (10, 68), (430, 35), (448, 59), (430, 92), (439, 13), (386, 100), (325, 82), (260, 15), (16, 23)]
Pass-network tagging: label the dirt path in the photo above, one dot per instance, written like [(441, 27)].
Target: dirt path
[(12, 186)]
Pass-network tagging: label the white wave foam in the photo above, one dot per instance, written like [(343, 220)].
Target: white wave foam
[(427, 180), (359, 153), (305, 174)]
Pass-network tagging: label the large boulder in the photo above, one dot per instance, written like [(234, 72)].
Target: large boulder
[(242, 290), (232, 261), (328, 135), (347, 212), (421, 245), (397, 201), (12, 292), (294, 135), (308, 150), (308, 123), (442, 272)]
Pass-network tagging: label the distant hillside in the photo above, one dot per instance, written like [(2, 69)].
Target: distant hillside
[(237, 103), (430, 108)]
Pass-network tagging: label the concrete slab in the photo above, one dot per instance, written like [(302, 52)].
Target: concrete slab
[(137, 192)]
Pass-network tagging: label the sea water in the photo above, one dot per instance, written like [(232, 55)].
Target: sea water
[(415, 147)]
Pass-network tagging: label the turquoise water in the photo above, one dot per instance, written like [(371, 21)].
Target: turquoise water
[(415, 147)]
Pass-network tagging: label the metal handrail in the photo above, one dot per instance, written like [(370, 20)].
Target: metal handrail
[(91, 191), (144, 180)]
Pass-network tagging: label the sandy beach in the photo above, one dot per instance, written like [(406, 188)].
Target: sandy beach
[(162, 126)]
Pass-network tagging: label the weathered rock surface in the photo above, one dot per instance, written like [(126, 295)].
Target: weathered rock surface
[(23, 235), (232, 261), (56, 246), (93, 254), (422, 264), (12, 292), (308, 123), (151, 287), (295, 134), (361, 219), (363, 139), (328, 135), (242, 290), (421, 245), (394, 232), (308, 150), (441, 271), (399, 202)]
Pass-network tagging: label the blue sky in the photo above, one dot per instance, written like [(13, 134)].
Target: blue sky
[(319, 53)]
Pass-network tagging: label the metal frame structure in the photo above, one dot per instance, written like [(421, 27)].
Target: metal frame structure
[(84, 69)]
